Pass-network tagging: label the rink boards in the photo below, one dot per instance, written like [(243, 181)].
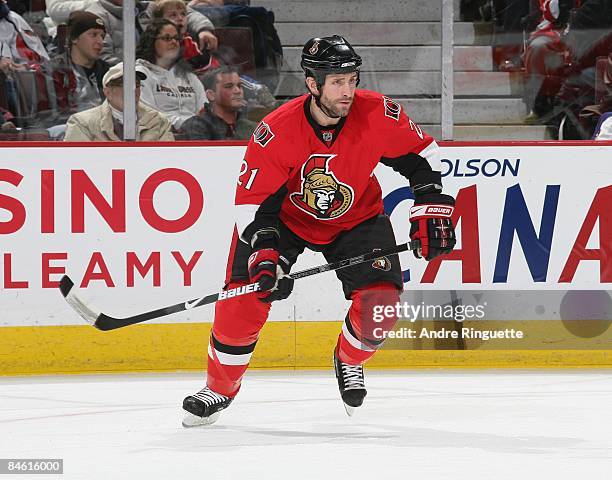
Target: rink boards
[(140, 227)]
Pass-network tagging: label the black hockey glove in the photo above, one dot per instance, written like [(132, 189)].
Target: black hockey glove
[(264, 269), (431, 222), (284, 286)]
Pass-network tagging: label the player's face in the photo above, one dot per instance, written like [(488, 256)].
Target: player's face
[(338, 93)]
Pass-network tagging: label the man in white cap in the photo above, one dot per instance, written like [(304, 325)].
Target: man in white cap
[(105, 123)]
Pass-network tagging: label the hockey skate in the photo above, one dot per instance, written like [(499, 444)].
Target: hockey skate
[(351, 384), (204, 407)]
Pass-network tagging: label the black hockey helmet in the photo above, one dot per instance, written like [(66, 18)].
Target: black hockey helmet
[(325, 55)]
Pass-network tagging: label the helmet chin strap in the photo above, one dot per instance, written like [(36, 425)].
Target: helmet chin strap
[(326, 111)]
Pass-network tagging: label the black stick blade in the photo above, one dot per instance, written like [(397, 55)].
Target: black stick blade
[(65, 285), (106, 323)]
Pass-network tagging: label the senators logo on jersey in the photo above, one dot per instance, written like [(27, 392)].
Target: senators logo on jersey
[(322, 195), (262, 134)]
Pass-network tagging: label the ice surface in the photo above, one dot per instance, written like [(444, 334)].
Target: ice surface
[(291, 425)]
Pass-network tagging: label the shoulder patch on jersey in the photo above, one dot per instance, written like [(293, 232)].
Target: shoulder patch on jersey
[(392, 108), (382, 263), (263, 134)]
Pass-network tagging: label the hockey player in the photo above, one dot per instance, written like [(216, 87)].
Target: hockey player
[(307, 182)]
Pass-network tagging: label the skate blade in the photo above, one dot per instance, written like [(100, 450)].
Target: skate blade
[(192, 420), (349, 410)]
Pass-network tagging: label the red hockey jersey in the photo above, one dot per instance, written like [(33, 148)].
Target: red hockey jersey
[(324, 181)]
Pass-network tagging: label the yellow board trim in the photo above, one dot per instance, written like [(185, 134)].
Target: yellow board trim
[(283, 345)]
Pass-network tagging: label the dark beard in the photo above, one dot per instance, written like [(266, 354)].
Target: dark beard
[(328, 111)]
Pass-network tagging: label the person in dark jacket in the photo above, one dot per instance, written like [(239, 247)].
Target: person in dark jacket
[(77, 74), (222, 118)]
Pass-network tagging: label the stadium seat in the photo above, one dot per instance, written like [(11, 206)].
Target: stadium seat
[(236, 48), (33, 99)]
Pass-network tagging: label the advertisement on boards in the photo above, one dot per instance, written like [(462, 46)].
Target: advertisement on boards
[(141, 227)]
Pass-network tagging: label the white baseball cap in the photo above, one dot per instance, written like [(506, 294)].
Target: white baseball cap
[(116, 71)]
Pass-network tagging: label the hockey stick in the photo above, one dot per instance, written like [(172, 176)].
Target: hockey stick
[(105, 322)]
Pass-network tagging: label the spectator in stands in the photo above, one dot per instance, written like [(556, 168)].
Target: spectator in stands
[(8, 92), (33, 12), (5, 120), (589, 23), (170, 87), (111, 12), (546, 58), (604, 128), (105, 122), (257, 93), (78, 73), (19, 6), (176, 12), (7, 64), (189, 21), (587, 36), (60, 10), (207, 3), (18, 42), (597, 119), (264, 60), (222, 118), (507, 40), (218, 3)]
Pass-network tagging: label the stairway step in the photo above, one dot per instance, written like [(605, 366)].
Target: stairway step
[(502, 132), (380, 33), (469, 111), (379, 59), (354, 10), (498, 84), (492, 132)]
